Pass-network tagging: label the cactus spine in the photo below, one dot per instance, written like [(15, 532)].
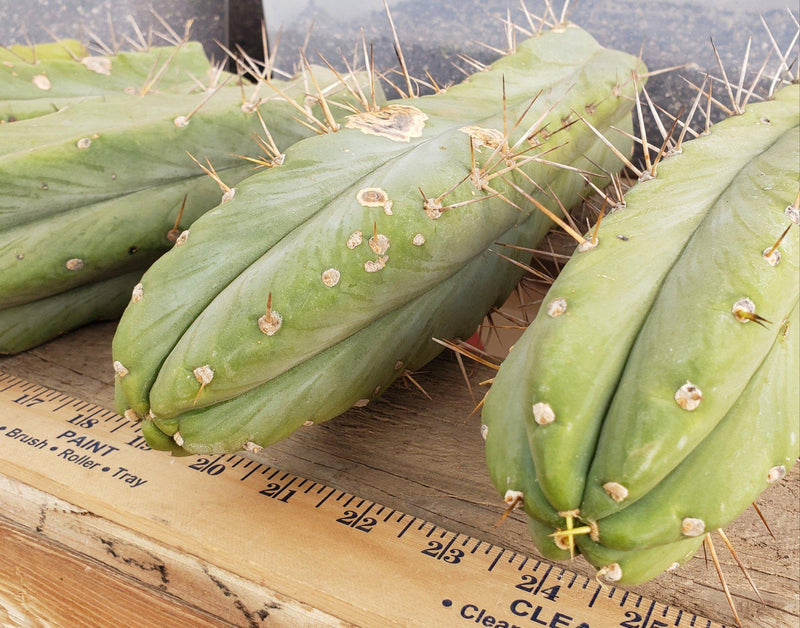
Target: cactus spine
[(402, 206)]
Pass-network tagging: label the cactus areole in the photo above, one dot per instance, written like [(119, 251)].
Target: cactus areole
[(670, 376), (326, 277)]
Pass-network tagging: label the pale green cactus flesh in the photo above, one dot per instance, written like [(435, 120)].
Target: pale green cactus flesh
[(754, 446), (52, 76), (63, 312), (361, 264), (94, 191), (314, 391), (660, 398)]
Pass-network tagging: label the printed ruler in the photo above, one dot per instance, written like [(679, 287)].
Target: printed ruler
[(349, 557)]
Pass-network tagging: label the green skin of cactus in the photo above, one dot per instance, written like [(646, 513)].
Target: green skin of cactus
[(633, 333), (24, 92), (755, 443), (63, 49), (275, 409), (209, 310), (63, 312), (114, 208), (635, 567)]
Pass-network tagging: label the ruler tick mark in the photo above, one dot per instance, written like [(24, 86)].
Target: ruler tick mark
[(250, 472), (408, 525), (543, 579), (496, 558), (121, 425), (596, 593), (324, 499)]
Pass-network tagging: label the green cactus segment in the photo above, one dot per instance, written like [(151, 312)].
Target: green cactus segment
[(29, 325), (53, 254), (658, 384), (94, 191), (636, 567), (100, 151), (692, 334), (753, 447), (159, 440), (660, 218), (314, 390), (218, 325), (59, 78), (63, 49), (508, 455)]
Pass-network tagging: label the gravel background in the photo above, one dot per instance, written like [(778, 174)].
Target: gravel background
[(433, 33)]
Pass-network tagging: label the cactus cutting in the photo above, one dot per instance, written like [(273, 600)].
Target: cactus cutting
[(655, 395), (134, 183), (291, 252), (232, 336)]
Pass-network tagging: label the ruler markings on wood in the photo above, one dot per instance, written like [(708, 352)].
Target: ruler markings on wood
[(73, 445)]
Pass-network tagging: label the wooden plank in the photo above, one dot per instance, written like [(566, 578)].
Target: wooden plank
[(42, 584), (125, 558), (425, 458)]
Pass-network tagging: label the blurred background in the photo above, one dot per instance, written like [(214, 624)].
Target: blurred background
[(436, 35)]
